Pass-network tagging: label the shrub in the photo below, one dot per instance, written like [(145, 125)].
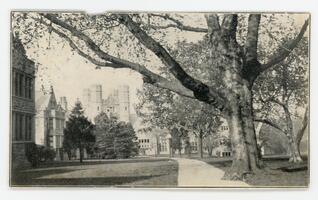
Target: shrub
[(32, 154), (36, 154)]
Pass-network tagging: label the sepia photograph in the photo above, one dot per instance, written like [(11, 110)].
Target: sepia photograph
[(159, 99)]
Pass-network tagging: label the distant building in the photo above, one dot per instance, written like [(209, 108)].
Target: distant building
[(117, 103), (22, 105), (50, 120), (156, 142)]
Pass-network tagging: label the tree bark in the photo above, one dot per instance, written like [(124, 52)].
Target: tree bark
[(81, 153), (243, 139), (294, 150), (200, 144), (302, 130)]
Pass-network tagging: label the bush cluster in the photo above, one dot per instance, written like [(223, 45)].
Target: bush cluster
[(38, 154)]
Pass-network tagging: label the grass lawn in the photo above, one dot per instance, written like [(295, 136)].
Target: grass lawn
[(272, 175), (147, 172)]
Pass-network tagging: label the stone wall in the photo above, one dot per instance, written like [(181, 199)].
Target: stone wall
[(18, 158)]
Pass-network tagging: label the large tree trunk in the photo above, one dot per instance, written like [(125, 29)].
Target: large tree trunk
[(210, 150), (294, 150), (200, 144), (302, 130), (242, 132), (81, 153)]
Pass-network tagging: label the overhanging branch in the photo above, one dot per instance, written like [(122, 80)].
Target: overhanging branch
[(285, 49), (176, 24), (270, 123), (201, 91), (115, 62)]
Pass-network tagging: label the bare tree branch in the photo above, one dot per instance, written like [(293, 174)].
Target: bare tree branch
[(301, 131), (114, 62), (201, 91), (270, 123), (177, 24), (252, 37), (229, 26), (285, 49)]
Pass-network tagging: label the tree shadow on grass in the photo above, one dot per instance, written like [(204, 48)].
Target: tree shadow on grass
[(87, 181), (19, 177), (100, 162)]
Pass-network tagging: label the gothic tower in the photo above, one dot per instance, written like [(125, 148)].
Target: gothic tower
[(63, 103), (124, 107), (95, 100)]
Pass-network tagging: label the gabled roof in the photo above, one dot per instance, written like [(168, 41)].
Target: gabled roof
[(45, 100)]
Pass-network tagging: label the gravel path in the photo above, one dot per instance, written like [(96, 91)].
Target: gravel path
[(195, 173)]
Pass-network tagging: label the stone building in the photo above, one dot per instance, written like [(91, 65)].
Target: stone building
[(50, 121), (22, 105), (117, 103), (154, 143)]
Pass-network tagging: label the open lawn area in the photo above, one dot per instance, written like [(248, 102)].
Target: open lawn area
[(147, 172), (278, 172)]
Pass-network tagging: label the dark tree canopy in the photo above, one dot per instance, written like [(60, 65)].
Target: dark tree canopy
[(78, 133)]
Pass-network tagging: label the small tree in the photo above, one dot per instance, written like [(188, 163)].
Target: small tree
[(176, 140), (125, 141), (79, 131)]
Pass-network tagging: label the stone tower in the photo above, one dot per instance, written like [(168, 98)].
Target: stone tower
[(124, 107), (86, 97), (63, 103), (95, 105), (92, 100)]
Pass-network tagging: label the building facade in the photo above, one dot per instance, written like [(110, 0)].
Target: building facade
[(155, 143), (23, 103), (50, 121), (117, 103)]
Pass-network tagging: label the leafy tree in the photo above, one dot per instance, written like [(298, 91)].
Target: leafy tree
[(78, 132), (159, 107), (282, 93), (104, 133), (177, 136), (114, 139), (232, 46), (125, 141)]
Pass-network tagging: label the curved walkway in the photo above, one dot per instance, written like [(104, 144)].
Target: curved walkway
[(195, 173)]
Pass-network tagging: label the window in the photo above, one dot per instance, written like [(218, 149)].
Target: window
[(28, 87), (62, 124), (57, 123), (30, 127), (224, 128), (21, 81), (58, 142), (50, 123), (14, 83), (17, 83), (126, 108), (13, 129), (18, 126)]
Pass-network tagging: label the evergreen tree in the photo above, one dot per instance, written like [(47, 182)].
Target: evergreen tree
[(125, 141), (78, 132), (114, 139), (104, 133)]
